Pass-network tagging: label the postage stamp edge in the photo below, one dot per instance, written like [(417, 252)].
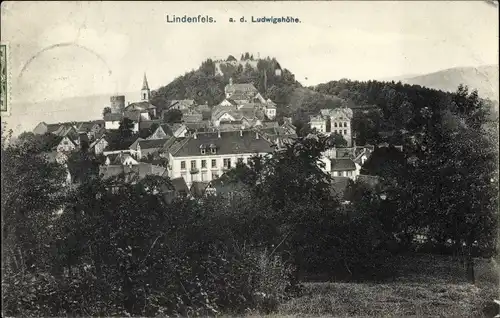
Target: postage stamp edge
[(8, 80)]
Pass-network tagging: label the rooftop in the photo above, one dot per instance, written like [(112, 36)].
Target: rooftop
[(343, 164), (226, 142)]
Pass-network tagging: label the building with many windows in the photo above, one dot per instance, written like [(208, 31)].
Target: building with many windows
[(206, 156), (336, 120)]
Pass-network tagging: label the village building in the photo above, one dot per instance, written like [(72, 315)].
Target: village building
[(129, 173), (146, 147), (168, 130), (93, 129), (136, 112), (98, 145), (206, 156), (331, 121)]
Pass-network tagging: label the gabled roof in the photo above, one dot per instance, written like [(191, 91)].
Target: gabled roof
[(120, 158), (87, 126), (144, 105), (230, 142), (198, 188), (343, 164), (152, 143), (179, 184)]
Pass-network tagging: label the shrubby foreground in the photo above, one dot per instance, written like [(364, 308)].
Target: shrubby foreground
[(131, 252)]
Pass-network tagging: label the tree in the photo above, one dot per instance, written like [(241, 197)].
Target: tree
[(106, 110), (337, 140), (31, 193), (173, 116), (126, 128)]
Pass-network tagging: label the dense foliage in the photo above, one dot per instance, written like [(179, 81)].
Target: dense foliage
[(132, 252)]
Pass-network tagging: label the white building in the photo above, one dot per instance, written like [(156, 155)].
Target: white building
[(206, 156), (340, 122)]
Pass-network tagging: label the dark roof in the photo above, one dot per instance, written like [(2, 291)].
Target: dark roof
[(230, 142), (87, 126), (198, 188), (152, 143), (182, 103), (241, 96), (243, 87), (113, 117), (144, 105), (131, 173), (146, 124), (343, 164), (179, 184), (53, 127)]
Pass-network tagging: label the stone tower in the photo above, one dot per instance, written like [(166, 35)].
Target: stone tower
[(145, 91)]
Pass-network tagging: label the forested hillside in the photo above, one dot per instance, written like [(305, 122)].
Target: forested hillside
[(389, 107), (203, 85)]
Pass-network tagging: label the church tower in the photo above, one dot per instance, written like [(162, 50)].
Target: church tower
[(145, 91)]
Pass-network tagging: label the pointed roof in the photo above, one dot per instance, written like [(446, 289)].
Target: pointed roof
[(145, 83)]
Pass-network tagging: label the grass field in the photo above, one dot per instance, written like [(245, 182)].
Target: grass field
[(424, 286)]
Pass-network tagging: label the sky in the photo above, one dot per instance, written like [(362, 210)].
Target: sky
[(65, 49)]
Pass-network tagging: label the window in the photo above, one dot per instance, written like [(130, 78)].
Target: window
[(213, 149), (340, 132), (203, 164), (203, 151), (214, 163), (193, 164), (345, 132), (240, 160), (227, 163), (345, 124), (183, 165), (335, 124)]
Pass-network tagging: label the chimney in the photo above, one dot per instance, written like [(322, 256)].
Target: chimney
[(256, 135), (194, 135), (241, 133), (218, 133)]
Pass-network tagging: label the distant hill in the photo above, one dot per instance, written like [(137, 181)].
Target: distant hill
[(482, 78)]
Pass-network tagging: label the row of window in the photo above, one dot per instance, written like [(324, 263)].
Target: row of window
[(342, 173), (200, 177), (213, 163), (340, 132), (339, 124)]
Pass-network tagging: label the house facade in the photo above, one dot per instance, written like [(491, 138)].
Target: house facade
[(336, 120), (206, 156)]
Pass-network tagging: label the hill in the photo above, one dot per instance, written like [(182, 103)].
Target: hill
[(483, 78), (206, 85)]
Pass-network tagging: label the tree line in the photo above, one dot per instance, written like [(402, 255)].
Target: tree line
[(131, 251)]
